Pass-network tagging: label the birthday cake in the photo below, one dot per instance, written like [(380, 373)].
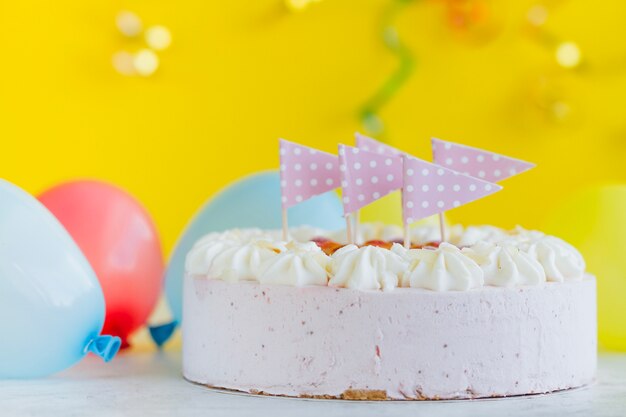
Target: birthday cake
[(490, 314), (381, 312)]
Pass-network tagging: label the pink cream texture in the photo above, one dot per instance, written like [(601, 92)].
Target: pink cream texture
[(411, 343)]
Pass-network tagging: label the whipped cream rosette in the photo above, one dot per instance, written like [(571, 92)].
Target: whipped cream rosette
[(201, 257), (505, 265), (242, 262), (442, 269), (299, 265), (366, 268), (560, 260), (472, 235)]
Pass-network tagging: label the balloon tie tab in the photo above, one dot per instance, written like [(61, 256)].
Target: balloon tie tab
[(105, 346), (161, 333)]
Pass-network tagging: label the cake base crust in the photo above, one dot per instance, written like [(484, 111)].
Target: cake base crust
[(408, 344), (365, 395)]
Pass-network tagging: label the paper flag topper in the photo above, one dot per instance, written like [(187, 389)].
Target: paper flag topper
[(367, 176), (430, 189), (372, 145), (478, 163), (305, 172)]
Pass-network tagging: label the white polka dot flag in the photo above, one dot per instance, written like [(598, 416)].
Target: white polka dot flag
[(372, 145), (476, 162), (367, 176), (430, 189), (305, 172)]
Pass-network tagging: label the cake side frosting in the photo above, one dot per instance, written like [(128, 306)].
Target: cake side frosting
[(409, 343)]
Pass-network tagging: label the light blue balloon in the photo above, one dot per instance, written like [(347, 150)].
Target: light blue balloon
[(51, 303), (253, 201)]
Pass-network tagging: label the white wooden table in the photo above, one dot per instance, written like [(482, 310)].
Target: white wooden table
[(150, 384)]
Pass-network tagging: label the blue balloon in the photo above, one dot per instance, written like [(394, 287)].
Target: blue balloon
[(253, 201), (51, 303)]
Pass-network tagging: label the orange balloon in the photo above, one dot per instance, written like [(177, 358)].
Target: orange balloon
[(120, 240)]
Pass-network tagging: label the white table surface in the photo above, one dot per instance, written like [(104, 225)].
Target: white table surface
[(150, 384)]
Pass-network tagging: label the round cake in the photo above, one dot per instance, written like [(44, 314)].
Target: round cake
[(491, 313)]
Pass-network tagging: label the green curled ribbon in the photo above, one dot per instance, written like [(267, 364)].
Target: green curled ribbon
[(372, 123)]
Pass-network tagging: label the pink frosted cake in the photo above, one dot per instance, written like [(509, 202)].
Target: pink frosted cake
[(490, 314)]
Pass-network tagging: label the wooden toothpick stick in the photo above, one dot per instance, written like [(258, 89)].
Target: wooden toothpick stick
[(442, 230), (285, 225), (407, 236), (349, 235)]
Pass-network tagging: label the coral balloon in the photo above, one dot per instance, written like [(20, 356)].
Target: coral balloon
[(51, 305), (594, 221), (120, 241)]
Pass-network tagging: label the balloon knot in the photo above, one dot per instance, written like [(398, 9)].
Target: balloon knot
[(105, 346), (161, 333)]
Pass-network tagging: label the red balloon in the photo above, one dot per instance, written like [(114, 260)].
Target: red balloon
[(119, 239)]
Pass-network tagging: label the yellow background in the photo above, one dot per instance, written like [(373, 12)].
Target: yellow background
[(240, 74)]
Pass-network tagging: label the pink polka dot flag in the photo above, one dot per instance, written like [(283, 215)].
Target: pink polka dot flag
[(476, 162), (430, 189), (305, 172), (367, 176), (372, 145)]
